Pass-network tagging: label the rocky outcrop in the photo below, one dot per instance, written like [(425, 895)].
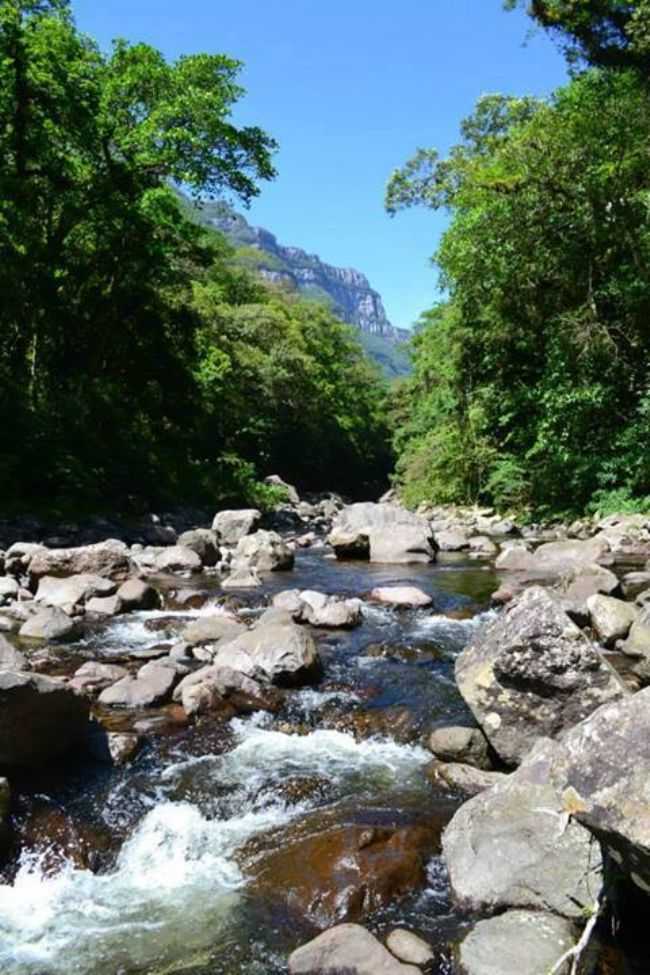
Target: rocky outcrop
[(347, 949), (109, 559), (533, 674), (40, 719), (382, 533)]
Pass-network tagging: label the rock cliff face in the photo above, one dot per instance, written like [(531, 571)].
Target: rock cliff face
[(347, 290)]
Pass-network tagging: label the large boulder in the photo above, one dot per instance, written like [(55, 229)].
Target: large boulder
[(457, 743), (109, 559), (9, 590), (10, 658), (212, 629), (517, 943), (40, 719), (177, 559), (514, 846), (93, 677), (264, 551), (51, 625), (611, 619), (637, 647), (277, 652), (72, 593), (153, 685), (19, 555), (347, 949), (203, 541), (382, 533), (328, 612), (136, 594), (231, 526), (581, 582), (553, 558), (401, 597), (532, 674), (208, 688)]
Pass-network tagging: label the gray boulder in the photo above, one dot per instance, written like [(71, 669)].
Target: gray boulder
[(10, 658), (382, 533), (242, 577), (516, 943), (464, 780), (264, 551), (514, 846), (211, 629), (207, 688), (19, 555), (637, 647), (9, 590), (402, 597), (408, 947), (611, 619), (93, 677), (553, 558), (153, 685), (177, 558), (72, 593), (347, 949), (482, 547), (580, 583), (203, 541), (136, 594), (532, 674), (52, 625), (456, 743), (104, 605), (231, 526), (277, 652), (109, 559), (329, 612), (40, 719)]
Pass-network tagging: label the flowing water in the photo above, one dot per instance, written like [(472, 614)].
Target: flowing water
[(165, 887)]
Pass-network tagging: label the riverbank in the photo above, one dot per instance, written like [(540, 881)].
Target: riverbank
[(219, 745)]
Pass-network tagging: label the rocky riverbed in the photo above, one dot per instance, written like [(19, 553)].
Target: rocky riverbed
[(332, 738)]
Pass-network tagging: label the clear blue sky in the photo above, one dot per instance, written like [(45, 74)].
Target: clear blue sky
[(350, 88)]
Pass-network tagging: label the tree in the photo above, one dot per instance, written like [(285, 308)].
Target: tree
[(607, 33)]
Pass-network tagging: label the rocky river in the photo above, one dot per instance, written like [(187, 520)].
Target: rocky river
[(256, 760)]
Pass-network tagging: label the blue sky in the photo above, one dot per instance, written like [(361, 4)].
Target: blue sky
[(350, 88)]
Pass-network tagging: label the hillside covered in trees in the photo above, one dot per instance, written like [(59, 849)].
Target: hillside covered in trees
[(531, 376)]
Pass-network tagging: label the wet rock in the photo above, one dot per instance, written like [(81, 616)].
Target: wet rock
[(452, 540), (217, 626), (482, 547), (466, 780), (459, 744), (242, 577), (347, 949), (344, 873), (514, 846), (231, 526), (635, 583), (40, 719), (382, 533), (204, 542), (72, 593), (112, 747), (109, 559), (531, 674), (329, 612), (398, 723), (10, 658), (611, 619), (637, 647), (207, 688), (93, 677), (402, 597), (185, 599), (580, 583), (9, 590), (153, 685), (516, 943), (553, 558), (176, 559), (104, 606), (264, 551), (52, 625), (408, 947), (136, 594), (276, 652)]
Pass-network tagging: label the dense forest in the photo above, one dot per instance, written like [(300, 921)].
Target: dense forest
[(139, 362), (531, 385)]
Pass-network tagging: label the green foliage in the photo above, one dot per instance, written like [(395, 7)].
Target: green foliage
[(535, 370), (138, 362)]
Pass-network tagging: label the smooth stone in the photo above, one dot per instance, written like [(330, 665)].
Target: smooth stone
[(52, 625), (404, 597), (347, 949), (408, 947), (516, 943)]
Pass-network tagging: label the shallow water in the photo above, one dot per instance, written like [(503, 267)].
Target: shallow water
[(170, 892)]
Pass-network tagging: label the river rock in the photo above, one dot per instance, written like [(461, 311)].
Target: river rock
[(203, 541), (347, 949), (72, 593), (136, 594), (177, 558), (274, 652), (516, 943), (212, 628), (611, 619), (408, 947), (465, 780), (553, 558), (113, 747), (153, 685), (514, 846), (40, 719), (231, 526), (9, 590), (329, 612), (19, 555), (242, 577), (456, 743), (93, 677), (402, 597), (52, 625), (109, 559), (10, 658), (276, 481), (531, 674), (452, 540), (346, 872), (582, 581), (637, 647), (482, 547), (104, 605), (206, 689), (382, 533), (264, 551)]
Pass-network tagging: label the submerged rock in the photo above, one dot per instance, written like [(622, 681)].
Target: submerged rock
[(533, 674), (40, 719), (347, 949), (516, 943)]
